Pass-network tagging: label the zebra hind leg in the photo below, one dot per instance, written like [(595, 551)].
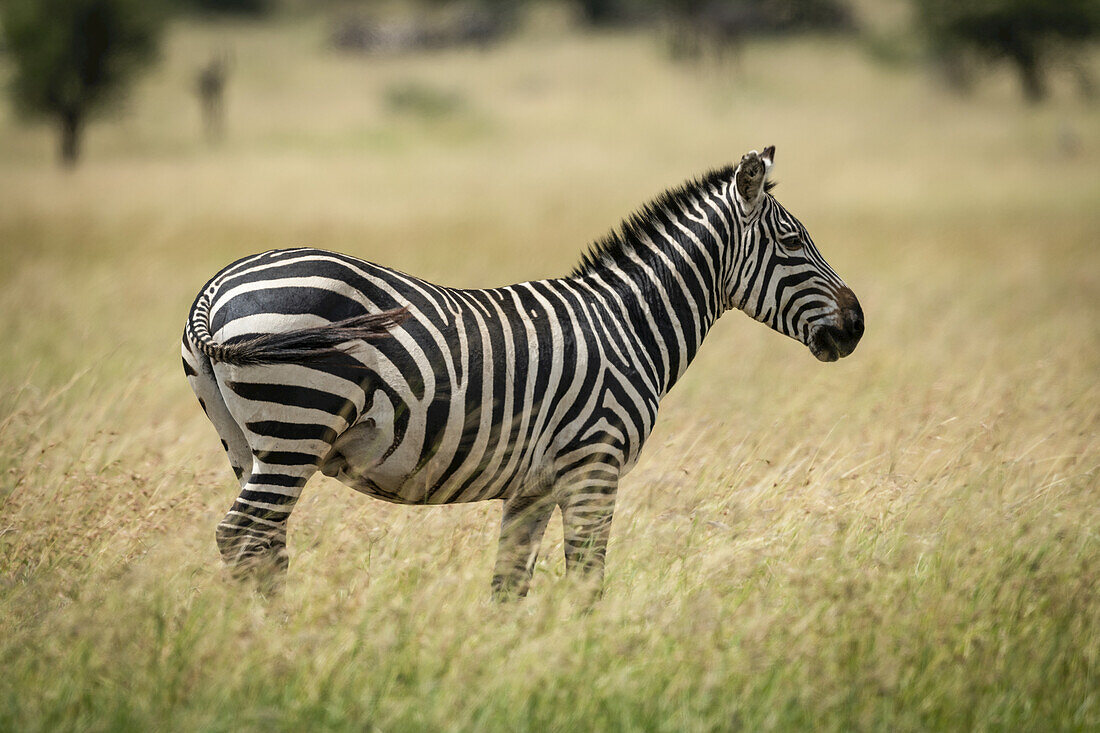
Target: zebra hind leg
[(521, 529), (252, 540), (252, 536), (286, 446), (200, 375)]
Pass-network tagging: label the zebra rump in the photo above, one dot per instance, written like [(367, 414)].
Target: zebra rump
[(301, 344)]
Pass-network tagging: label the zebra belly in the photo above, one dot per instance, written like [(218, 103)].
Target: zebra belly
[(355, 461), (363, 458)]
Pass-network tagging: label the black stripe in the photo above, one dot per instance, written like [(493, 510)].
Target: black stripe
[(292, 430), (267, 497), (287, 458), (272, 515), (293, 395), (286, 300), (276, 479)]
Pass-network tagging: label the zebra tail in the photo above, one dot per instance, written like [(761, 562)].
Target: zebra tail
[(303, 344)]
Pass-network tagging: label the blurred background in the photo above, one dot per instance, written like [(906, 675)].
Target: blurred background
[(481, 141), (905, 539)]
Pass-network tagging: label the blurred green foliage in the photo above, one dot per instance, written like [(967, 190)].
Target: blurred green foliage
[(74, 57), (1029, 34)]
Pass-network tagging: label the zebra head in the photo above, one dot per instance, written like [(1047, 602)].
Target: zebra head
[(779, 278)]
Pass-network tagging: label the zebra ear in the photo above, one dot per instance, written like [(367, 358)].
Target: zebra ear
[(749, 177)]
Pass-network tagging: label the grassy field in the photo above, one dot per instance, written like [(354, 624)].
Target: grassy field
[(908, 539)]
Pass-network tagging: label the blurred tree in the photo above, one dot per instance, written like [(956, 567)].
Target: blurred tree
[(254, 7), (74, 57), (720, 26), (500, 15), (615, 12), (750, 16), (769, 16), (1029, 34)]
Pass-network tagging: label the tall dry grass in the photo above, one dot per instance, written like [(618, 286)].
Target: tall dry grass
[(907, 539)]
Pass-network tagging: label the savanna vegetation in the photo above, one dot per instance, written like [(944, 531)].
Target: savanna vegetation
[(908, 539)]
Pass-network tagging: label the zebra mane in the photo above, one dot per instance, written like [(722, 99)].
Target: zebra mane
[(614, 247)]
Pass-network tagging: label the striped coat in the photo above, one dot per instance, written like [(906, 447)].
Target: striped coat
[(539, 394)]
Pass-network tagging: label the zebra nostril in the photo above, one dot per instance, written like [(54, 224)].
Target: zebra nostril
[(855, 324), (851, 315)]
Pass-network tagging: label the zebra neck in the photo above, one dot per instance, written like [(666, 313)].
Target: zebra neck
[(664, 271), (664, 285)]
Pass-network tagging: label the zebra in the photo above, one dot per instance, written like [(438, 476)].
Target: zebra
[(540, 394)]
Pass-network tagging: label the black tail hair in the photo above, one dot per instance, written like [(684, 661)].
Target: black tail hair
[(304, 344)]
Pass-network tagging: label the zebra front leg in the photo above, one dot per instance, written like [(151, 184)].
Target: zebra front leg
[(586, 512), (521, 529)]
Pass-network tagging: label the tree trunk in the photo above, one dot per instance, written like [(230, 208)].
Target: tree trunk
[(1032, 77), (71, 129)]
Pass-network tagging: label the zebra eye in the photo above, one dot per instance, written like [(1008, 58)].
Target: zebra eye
[(791, 241)]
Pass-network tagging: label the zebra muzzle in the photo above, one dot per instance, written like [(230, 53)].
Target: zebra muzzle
[(835, 341)]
